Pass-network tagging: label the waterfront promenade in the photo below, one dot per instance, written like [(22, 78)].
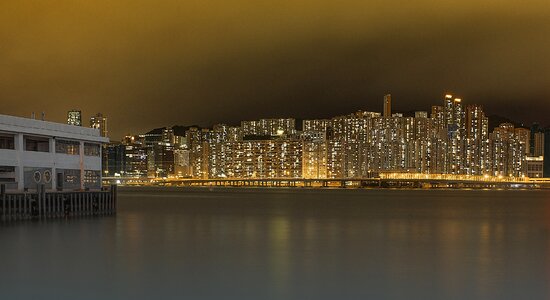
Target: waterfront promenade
[(386, 180)]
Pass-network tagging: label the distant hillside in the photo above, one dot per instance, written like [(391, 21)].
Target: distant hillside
[(178, 129), (495, 121), (156, 131)]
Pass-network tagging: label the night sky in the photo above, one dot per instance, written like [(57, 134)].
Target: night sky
[(147, 64)]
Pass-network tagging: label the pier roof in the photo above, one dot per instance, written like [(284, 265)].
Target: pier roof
[(29, 126)]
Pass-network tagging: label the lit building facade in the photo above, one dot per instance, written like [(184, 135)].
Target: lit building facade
[(453, 139), (99, 122), (539, 144), (476, 142), (507, 153), (387, 106), (314, 154), (535, 166), (74, 117), (547, 150), (269, 127)]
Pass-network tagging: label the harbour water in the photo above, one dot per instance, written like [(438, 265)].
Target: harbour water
[(239, 243)]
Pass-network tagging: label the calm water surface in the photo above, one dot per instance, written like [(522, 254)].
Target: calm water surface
[(288, 244)]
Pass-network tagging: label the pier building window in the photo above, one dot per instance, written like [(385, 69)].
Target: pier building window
[(92, 179), (72, 176), (7, 141), (67, 147), (68, 179), (38, 144), (7, 174), (91, 149)]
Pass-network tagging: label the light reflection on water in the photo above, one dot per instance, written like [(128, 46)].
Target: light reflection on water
[(288, 244)]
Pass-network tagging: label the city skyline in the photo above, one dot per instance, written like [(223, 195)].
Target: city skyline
[(147, 64), (121, 133), (454, 137)]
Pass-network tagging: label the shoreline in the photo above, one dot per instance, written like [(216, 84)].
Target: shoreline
[(330, 188)]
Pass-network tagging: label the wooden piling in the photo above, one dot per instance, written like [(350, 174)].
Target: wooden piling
[(3, 195), (10, 210), (71, 204), (114, 199), (90, 206), (19, 206), (42, 204), (24, 212), (79, 205)]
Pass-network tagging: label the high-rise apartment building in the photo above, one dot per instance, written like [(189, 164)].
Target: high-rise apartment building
[(99, 122), (507, 154), (523, 135), (197, 142), (547, 151), (135, 157), (439, 125), (74, 117), (421, 114), (315, 125), (454, 120), (387, 105), (269, 127), (539, 144), (535, 127), (476, 141), (535, 166), (182, 164), (314, 154), (448, 108)]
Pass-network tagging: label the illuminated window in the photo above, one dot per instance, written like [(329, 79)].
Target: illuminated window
[(91, 149), (67, 147)]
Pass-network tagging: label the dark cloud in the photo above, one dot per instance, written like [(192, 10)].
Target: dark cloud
[(146, 64)]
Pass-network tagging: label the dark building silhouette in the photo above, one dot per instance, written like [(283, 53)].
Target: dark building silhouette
[(547, 152), (116, 163)]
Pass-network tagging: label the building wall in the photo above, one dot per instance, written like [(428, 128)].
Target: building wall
[(32, 166), (539, 144), (535, 167), (547, 151)]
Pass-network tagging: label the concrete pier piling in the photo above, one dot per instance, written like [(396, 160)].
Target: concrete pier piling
[(42, 204)]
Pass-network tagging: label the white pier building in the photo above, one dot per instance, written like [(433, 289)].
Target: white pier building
[(60, 156)]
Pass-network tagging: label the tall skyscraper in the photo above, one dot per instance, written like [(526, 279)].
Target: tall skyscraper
[(74, 117), (387, 105), (535, 127), (448, 109), (421, 114), (547, 150), (99, 122), (455, 119), (438, 122), (539, 144), (524, 135), (477, 141)]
